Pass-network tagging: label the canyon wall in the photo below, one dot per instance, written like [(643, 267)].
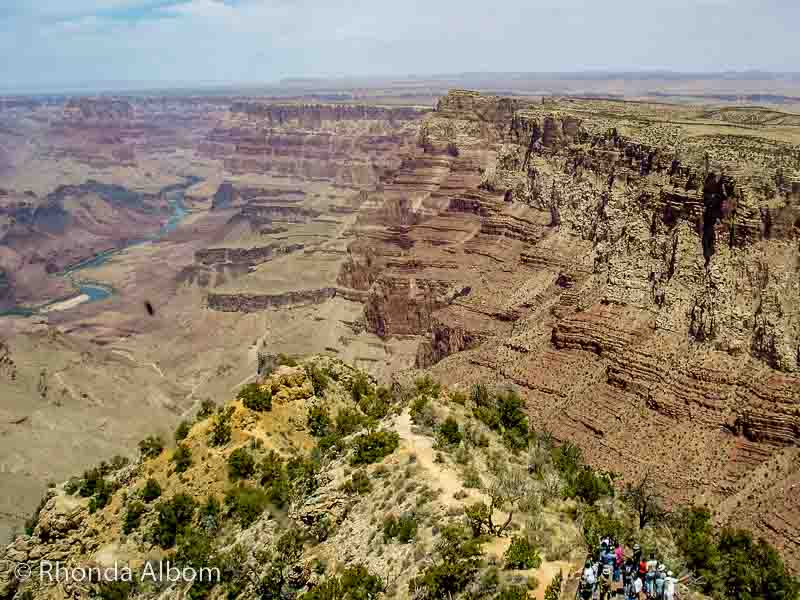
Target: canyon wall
[(635, 277)]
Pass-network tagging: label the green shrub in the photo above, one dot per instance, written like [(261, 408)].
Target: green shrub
[(102, 495), (472, 479), (458, 559), (553, 589), (360, 387), (480, 395), (319, 421), (221, 430), (286, 360), (513, 592), (404, 528), (110, 590), (182, 457), (207, 408), (568, 459), (73, 485), (241, 465), (302, 474), (377, 403), (319, 379), (427, 386), (590, 487), (421, 412), (272, 468), (348, 421), (133, 517), (196, 550), (450, 433), (730, 564), (597, 523), (752, 569), (255, 397), (522, 555), (355, 583), (375, 446), (246, 504), (358, 484), (209, 514), (151, 447), (459, 397), (151, 490), (92, 479), (174, 516), (512, 420), (182, 431)]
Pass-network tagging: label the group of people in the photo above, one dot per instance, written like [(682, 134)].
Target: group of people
[(608, 566)]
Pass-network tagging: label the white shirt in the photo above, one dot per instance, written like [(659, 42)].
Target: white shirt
[(588, 575), (637, 586), (652, 565)]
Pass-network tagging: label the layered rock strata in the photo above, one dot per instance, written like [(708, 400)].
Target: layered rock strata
[(636, 281)]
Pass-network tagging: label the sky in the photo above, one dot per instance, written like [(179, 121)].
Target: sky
[(122, 42)]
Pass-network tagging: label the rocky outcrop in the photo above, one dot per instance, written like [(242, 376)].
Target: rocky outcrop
[(244, 256), (259, 302)]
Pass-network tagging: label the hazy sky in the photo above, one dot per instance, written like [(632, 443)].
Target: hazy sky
[(45, 42)]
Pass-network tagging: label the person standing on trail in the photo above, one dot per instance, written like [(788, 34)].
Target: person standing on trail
[(642, 569), (661, 575), (637, 553), (636, 588), (619, 557), (605, 583), (588, 580), (650, 577), (670, 583)]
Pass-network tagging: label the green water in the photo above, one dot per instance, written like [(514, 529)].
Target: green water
[(95, 291)]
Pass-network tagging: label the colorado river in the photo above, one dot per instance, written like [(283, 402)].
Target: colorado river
[(93, 291)]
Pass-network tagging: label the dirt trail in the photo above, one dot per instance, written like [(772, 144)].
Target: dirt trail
[(441, 475)]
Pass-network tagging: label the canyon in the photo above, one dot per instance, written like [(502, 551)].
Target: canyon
[(631, 268)]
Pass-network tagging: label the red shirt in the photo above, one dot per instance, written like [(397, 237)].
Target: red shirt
[(642, 567)]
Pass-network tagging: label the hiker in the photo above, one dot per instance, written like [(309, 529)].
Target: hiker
[(650, 576), (658, 583), (588, 580), (636, 588), (605, 583), (637, 553), (628, 575), (609, 558), (619, 556), (642, 569), (670, 583)]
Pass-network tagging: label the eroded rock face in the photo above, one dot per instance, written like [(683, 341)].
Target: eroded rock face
[(259, 302), (642, 298)]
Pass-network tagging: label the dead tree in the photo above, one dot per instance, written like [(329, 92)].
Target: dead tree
[(643, 498)]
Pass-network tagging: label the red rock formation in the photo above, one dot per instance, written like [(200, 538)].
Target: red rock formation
[(645, 307)]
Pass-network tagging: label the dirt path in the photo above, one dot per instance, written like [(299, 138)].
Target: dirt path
[(440, 475)]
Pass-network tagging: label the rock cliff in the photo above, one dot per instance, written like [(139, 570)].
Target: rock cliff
[(635, 275)]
